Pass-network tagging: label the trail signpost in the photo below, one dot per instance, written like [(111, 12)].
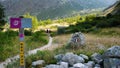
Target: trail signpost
[(21, 23)]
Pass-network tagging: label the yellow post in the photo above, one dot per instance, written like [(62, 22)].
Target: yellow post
[(22, 56)]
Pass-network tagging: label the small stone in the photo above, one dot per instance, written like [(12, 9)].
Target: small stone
[(39, 62), (84, 56), (54, 66), (97, 58), (64, 64), (59, 57), (79, 65), (90, 64), (97, 66)]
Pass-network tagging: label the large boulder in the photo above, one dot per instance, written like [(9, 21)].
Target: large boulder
[(97, 58), (113, 51), (77, 39), (112, 57), (72, 59)]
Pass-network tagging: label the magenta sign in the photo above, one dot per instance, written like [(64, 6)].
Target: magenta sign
[(15, 23)]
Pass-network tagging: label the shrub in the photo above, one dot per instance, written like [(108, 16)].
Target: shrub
[(61, 30), (28, 32), (39, 36)]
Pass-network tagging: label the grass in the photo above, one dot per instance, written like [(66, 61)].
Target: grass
[(9, 43)]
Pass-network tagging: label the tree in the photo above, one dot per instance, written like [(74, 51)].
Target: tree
[(2, 21)]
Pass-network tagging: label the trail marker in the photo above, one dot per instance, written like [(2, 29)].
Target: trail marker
[(21, 23)]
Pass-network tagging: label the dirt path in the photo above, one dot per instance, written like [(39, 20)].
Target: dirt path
[(9, 60)]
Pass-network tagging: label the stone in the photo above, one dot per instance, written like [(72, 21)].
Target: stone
[(71, 59), (90, 64), (79, 65), (84, 56), (97, 66), (112, 57), (77, 39), (97, 58), (39, 62), (59, 57), (64, 64), (113, 51), (54, 66)]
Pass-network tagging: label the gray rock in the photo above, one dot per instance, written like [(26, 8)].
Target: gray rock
[(111, 63), (84, 56), (79, 65), (64, 64), (39, 62), (54, 66), (59, 57), (112, 57), (90, 64), (97, 58), (72, 59), (77, 39), (97, 66), (113, 51)]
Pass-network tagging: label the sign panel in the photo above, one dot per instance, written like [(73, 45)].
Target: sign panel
[(26, 23), (15, 22), (20, 23)]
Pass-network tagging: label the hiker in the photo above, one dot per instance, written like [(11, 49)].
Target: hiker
[(48, 32)]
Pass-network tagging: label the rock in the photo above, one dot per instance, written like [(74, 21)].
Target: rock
[(84, 56), (113, 51), (79, 65), (39, 62), (54, 66), (97, 58), (77, 39), (72, 59), (97, 66), (112, 57), (90, 64), (59, 57), (64, 64)]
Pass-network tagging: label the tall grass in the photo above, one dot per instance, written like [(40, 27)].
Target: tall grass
[(9, 42)]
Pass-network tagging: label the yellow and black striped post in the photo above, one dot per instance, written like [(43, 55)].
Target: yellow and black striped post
[(22, 49)]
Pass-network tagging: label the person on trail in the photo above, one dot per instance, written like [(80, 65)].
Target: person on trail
[(48, 32)]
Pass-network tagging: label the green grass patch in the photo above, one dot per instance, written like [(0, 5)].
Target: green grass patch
[(9, 43)]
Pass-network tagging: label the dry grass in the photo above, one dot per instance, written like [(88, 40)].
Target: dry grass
[(94, 43)]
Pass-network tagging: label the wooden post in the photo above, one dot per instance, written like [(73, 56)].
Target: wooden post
[(22, 49)]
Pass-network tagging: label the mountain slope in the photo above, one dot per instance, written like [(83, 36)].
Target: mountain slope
[(44, 9), (113, 9)]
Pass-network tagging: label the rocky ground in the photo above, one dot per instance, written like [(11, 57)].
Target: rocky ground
[(109, 59)]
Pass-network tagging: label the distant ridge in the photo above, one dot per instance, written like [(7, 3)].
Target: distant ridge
[(52, 9), (113, 9)]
